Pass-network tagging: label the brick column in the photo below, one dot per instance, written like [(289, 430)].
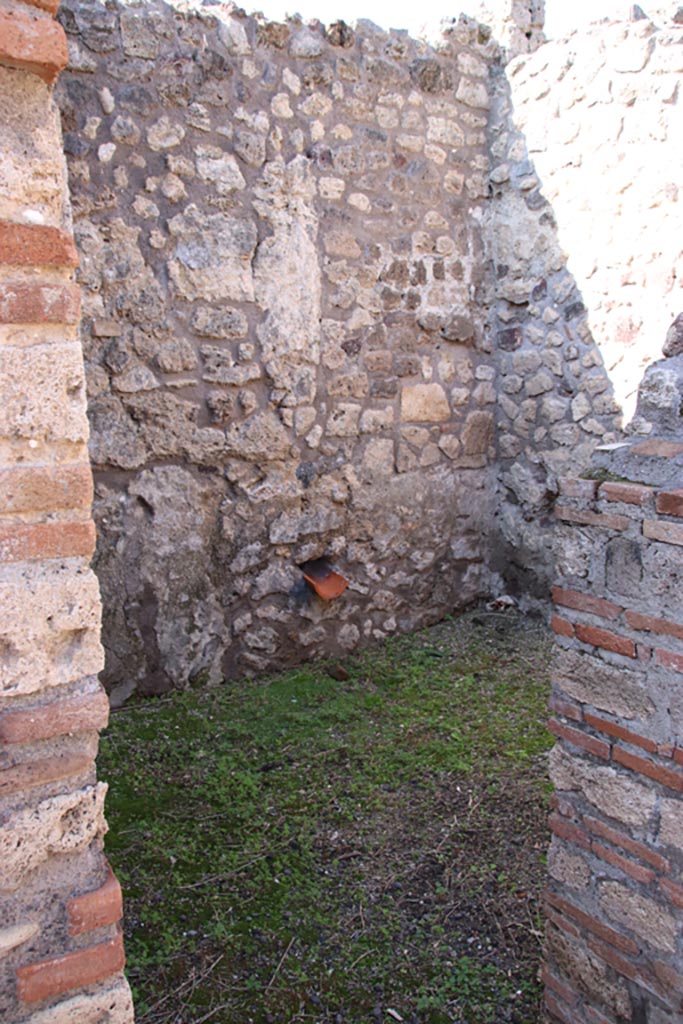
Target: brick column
[(615, 900), (61, 951)]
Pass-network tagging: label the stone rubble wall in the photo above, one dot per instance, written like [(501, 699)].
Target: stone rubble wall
[(61, 951), (285, 288), (614, 947), (517, 25), (311, 282), (602, 115), (316, 265), (575, 260)]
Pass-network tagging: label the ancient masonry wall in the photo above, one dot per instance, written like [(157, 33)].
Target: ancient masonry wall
[(615, 903), (516, 24), (584, 236), (302, 311), (61, 953), (602, 115), (284, 301), (316, 265)]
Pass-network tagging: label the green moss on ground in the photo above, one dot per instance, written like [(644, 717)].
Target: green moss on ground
[(303, 849)]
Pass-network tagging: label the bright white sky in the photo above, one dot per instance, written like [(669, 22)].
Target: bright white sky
[(561, 15)]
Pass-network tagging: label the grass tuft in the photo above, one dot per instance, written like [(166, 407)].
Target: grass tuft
[(308, 850)]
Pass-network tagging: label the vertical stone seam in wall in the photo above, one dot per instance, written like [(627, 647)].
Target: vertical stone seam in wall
[(42, 514)]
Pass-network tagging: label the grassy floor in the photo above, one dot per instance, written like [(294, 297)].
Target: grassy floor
[(310, 849)]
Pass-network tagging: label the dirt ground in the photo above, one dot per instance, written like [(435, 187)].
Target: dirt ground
[(350, 850)]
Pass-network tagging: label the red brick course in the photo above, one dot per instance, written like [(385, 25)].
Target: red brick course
[(636, 620), (630, 494), (611, 957), (667, 659), (599, 748), (51, 977), (559, 1010), (669, 533), (626, 843), (581, 602), (594, 1016), (640, 975), (88, 713), (562, 923), (606, 521), (47, 540), (590, 924), (603, 638), (672, 980), (635, 871), (45, 488), (574, 487), (97, 908), (41, 771), (563, 990), (31, 43), (670, 503), (51, 6), (565, 708), (22, 303), (561, 626), (569, 831), (658, 448), (33, 245), (672, 891), (613, 729), (667, 776)]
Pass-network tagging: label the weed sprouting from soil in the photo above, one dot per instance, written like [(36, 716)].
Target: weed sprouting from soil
[(304, 849)]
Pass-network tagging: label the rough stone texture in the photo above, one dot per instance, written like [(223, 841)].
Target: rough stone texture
[(283, 329), (618, 769), (647, 919), (601, 115), (49, 630), (569, 868), (325, 291), (55, 409), (673, 345), (589, 976), (58, 825), (32, 172), (10, 938), (583, 134), (630, 803), (51, 808), (112, 1005), (365, 256), (555, 395), (516, 24), (671, 825), (589, 680)]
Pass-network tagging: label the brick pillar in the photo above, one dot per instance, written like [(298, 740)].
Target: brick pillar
[(615, 900), (61, 951)]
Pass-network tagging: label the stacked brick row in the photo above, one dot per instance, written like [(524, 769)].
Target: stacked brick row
[(615, 900), (61, 952)]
